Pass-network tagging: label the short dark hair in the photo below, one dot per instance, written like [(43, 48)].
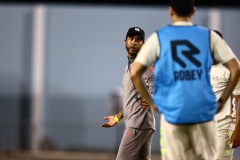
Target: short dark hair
[(218, 32), (183, 8)]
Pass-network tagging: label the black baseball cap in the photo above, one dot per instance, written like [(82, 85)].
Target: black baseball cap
[(135, 31)]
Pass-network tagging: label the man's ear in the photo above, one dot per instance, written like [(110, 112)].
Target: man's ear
[(194, 10), (171, 11)]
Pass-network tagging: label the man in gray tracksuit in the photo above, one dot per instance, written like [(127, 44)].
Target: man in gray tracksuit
[(138, 116)]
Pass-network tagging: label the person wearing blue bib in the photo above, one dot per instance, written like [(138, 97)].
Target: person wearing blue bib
[(183, 54)]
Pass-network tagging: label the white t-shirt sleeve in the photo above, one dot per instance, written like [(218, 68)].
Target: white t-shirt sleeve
[(220, 49), (150, 51)]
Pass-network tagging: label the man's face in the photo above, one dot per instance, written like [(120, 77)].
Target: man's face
[(133, 44)]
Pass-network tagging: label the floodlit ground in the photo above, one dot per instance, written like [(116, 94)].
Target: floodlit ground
[(60, 155), (76, 155)]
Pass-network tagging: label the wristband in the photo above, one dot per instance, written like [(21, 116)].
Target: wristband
[(116, 118)]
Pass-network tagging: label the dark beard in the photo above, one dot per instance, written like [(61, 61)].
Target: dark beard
[(132, 54)]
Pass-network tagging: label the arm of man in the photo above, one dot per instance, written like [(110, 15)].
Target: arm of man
[(235, 139), (113, 119), (224, 54), (149, 83), (234, 68), (136, 74)]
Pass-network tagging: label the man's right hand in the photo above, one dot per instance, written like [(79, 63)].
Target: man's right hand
[(111, 122), (144, 104)]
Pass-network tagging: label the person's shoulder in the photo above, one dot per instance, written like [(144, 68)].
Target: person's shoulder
[(200, 26), (166, 27), (219, 66), (152, 38), (215, 35)]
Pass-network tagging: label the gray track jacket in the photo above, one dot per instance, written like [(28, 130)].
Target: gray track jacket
[(134, 116)]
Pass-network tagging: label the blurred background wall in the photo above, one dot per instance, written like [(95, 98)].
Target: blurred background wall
[(60, 65)]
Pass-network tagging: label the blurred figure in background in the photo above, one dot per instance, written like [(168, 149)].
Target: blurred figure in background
[(138, 116), (228, 119)]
